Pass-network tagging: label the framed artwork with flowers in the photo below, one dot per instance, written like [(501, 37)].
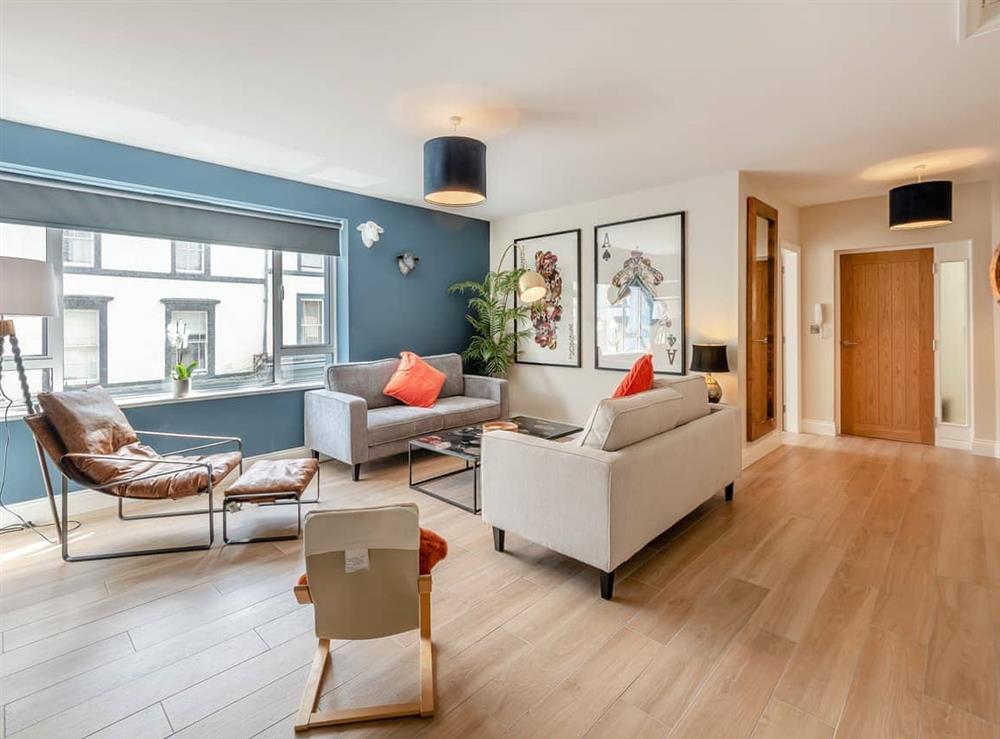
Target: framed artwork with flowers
[(639, 293), (554, 330)]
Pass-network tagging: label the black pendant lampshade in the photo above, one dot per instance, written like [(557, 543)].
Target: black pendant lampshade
[(454, 171), (920, 205)]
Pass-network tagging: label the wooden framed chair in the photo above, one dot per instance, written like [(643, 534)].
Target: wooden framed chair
[(90, 442), (366, 579)]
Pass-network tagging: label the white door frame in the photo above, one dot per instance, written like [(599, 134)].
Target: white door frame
[(791, 337)]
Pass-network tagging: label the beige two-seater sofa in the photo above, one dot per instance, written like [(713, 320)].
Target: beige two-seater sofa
[(641, 464), (354, 421)]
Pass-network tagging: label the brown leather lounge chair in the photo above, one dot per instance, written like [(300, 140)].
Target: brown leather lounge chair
[(368, 576), (90, 441)]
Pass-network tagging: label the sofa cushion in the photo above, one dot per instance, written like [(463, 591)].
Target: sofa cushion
[(463, 411), (619, 422), (401, 422), (367, 379), (694, 391), (415, 382)]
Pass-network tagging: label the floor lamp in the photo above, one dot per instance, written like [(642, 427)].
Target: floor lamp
[(27, 288)]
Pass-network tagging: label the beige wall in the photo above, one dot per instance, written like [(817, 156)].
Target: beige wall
[(566, 393), (827, 229)]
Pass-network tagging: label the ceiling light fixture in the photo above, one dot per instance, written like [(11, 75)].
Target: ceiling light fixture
[(454, 169), (920, 204)]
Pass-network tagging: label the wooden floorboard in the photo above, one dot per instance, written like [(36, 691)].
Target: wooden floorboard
[(851, 589)]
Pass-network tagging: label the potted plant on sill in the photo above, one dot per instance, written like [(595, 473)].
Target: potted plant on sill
[(177, 337), (493, 346)]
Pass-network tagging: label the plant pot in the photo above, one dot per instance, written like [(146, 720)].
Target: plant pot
[(182, 388)]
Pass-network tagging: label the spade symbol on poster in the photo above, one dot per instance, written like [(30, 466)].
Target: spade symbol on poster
[(671, 355)]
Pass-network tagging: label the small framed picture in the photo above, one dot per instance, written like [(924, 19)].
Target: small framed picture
[(639, 293), (555, 319)]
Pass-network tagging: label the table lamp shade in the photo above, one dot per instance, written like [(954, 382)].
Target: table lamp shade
[(27, 288), (709, 358)]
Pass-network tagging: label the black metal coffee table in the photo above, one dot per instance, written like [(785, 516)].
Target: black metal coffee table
[(465, 444)]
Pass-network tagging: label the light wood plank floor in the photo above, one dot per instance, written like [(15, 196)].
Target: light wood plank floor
[(851, 589)]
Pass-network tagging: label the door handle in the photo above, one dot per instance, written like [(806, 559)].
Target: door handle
[(765, 340), (845, 342)]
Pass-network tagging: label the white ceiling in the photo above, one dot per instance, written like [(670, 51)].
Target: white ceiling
[(575, 100)]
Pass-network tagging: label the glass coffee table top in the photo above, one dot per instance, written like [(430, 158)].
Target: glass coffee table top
[(465, 442)]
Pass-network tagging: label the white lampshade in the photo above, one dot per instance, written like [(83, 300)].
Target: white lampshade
[(27, 288), (531, 287)]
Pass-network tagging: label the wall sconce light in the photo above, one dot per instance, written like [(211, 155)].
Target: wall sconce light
[(407, 262), (816, 327)]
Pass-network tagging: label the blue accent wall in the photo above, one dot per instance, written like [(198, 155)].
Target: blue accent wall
[(379, 312)]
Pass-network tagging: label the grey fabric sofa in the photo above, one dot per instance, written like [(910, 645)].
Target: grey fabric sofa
[(352, 421)]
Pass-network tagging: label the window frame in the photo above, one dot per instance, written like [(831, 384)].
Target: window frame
[(300, 299), (97, 303), (282, 350), (206, 259), (95, 262), (51, 361), (190, 305)]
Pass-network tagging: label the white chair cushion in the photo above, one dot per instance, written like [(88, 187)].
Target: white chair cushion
[(620, 422)]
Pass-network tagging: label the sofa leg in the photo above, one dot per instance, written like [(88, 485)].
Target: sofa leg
[(356, 474), (729, 490), (607, 585), (498, 536), (315, 454)]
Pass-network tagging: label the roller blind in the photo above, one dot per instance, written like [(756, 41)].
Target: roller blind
[(110, 211)]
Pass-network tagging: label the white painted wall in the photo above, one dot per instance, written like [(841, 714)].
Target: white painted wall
[(713, 290), (858, 224)]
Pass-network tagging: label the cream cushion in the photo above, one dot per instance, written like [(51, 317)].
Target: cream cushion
[(620, 422), (694, 392)]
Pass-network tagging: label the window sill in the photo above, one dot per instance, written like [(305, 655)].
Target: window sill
[(141, 401)]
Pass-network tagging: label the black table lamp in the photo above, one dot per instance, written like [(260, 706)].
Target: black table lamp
[(709, 358)]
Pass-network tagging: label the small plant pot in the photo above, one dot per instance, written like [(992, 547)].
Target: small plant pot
[(182, 388)]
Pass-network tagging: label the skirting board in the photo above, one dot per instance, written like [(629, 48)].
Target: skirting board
[(823, 428), (986, 448), (84, 501)]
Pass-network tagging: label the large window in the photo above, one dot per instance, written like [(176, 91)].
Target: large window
[(251, 317)]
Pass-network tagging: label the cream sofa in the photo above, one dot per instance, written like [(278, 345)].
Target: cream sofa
[(641, 464), (353, 421)]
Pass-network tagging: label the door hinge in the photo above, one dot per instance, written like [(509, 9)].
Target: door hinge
[(934, 268), (934, 345)]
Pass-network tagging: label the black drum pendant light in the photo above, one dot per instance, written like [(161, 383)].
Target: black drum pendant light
[(454, 170), (920, 204)]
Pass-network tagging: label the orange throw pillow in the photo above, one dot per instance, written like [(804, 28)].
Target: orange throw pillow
[(638, 380), (415, 382)]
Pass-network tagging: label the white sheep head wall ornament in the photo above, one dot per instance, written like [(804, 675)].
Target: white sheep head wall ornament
[(370, 232)]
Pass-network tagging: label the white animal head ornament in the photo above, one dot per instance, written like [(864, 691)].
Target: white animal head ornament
[(370, 232)]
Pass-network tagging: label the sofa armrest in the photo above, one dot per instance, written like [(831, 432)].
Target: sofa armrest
[(336, 424), (556, 494), (491, 388)]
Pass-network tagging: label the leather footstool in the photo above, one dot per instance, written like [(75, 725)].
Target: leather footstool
[(271, 482)]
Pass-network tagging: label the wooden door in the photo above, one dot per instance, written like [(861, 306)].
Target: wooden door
[(762, 260), (887, 353)]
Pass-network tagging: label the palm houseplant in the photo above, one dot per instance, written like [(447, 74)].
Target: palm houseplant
[(493, 316)]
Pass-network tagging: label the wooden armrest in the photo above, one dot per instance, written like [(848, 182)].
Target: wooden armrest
[(302, 594)]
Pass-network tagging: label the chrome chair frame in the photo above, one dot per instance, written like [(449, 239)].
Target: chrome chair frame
[(213, 441)]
